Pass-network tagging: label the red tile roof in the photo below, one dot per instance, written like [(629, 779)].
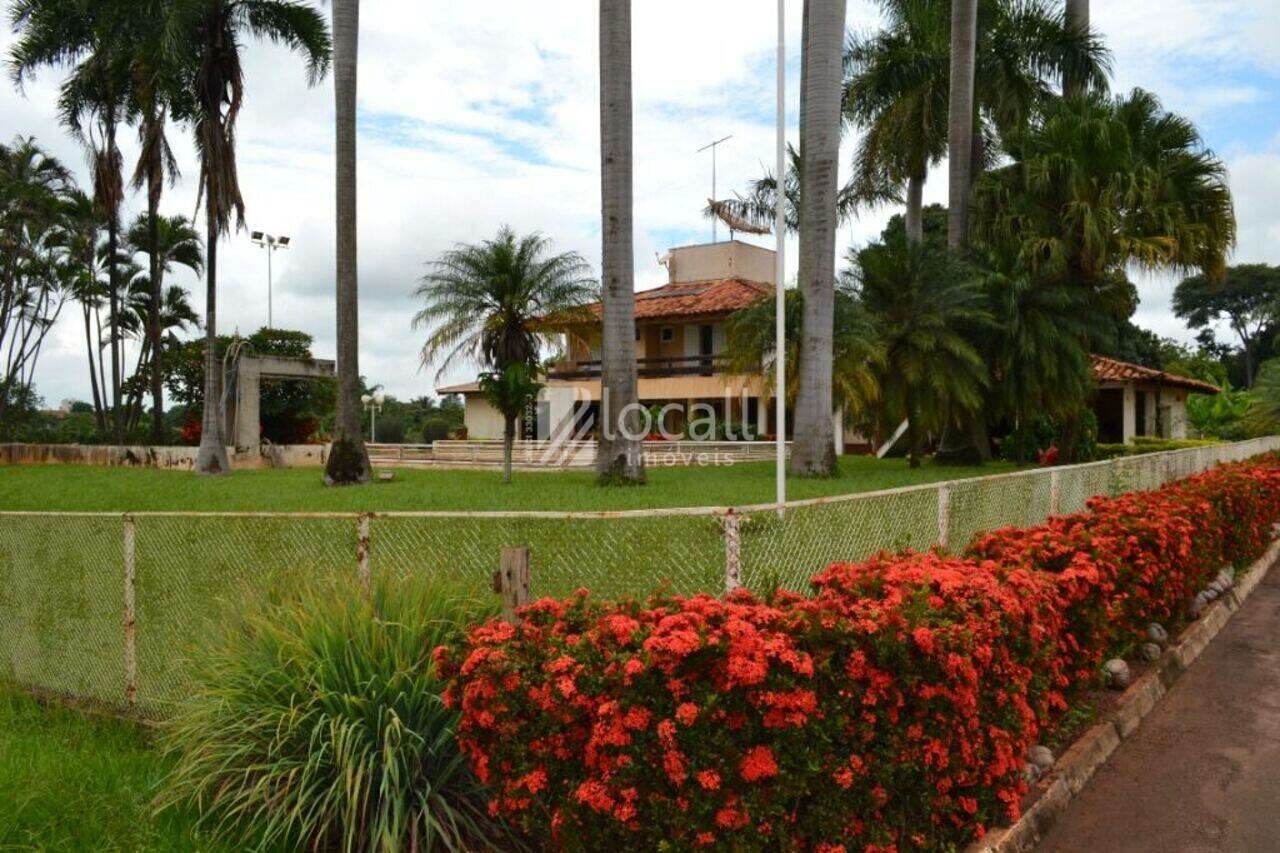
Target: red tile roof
[(703, 299), (1112, 370)]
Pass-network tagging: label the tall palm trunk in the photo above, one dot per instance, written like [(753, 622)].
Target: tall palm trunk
[(915, 208), (619, 458), (98, 414), (154, 185), (508, 445), (349, 459), (814, 450), (211, 458), (964, 25), (1078, 20), (113, 247)]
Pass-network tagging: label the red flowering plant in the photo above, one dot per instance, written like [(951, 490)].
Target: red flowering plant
[(891, 709)]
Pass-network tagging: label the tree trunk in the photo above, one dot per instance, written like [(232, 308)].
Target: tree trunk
[(619, 459), (211, 458), (964, 24), (349, 463), (508, 445), (113, 243), (154, 185), (1078, 20), (1248, 364), (98, 414), (915, 209), (813, 453)]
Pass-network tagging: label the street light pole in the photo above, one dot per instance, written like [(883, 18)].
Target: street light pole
[(780, 270), (271, 244)]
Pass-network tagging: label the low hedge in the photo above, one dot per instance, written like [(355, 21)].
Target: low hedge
[(890, 709)]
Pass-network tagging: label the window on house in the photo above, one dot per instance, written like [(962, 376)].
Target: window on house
[(668, 334)]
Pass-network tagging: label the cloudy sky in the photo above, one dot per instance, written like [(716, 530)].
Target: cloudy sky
[(477, 116)]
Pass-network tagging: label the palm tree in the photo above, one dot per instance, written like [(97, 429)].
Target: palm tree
[(349, 460), (33, 282), (167, 241), (897, 85), (924, 309), (153, 92), (960, 117), (1036, 348), (756, 205), (209, 34), (1073, 83), (813, 452), (490, 302), (81, 227), (1099, 184), (89, 36), (750, 346), (619, 459)]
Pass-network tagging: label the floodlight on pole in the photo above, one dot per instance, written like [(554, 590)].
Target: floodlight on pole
[(271, 244), (780, 270), (713, 146), (373, 404)]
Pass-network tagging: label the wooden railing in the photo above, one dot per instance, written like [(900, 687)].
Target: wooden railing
[(691, 365)]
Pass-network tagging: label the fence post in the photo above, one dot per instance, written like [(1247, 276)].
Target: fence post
[(130, 615), (511, 581), (363, 574), (1055, 492), (944, 513), (732, 552)]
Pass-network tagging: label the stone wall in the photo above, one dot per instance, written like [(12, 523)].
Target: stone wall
[(172, 458)]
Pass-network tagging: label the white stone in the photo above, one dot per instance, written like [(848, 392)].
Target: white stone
[(1151, 651), (1118, 675), (1157, 634), (1041, 757), (1211, 594), (1198, 604), (1032, 773)]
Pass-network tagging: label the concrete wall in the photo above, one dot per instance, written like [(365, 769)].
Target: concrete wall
[(481, 418), (172, 458), (715, 261)]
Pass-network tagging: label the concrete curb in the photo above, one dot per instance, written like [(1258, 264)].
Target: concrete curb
[(1083, 758)]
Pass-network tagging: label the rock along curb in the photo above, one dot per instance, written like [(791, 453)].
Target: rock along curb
[(1091, 751)]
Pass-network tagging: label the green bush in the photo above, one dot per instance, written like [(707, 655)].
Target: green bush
[(316, 722), (435, 429)]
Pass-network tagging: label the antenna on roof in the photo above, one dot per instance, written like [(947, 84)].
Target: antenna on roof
[(713, 146)]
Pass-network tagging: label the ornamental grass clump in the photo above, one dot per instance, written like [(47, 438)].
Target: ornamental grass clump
[(316, 722)]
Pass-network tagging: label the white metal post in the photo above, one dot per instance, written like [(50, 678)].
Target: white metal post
[(1055, 492), (130, 614), (944, 514), (732, 552), (780, 268)]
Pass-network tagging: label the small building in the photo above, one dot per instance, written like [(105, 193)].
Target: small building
[(1133, 400)]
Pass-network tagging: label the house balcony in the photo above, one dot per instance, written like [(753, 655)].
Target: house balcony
[(646, 368)]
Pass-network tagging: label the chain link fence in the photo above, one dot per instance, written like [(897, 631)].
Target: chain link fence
[(107, 607)]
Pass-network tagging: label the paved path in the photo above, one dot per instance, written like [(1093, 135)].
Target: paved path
[(1203, 771)]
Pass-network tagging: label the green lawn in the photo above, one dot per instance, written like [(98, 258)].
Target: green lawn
[(56, 488), (72, 782)]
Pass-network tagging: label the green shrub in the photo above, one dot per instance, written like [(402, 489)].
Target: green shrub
[(435, 429), (316, 722)]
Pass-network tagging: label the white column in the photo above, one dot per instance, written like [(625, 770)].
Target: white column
[(1130, 412)]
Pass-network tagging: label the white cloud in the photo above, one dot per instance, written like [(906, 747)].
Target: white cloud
[(476, 115)]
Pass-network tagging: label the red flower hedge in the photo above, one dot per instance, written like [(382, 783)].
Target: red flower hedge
[(892, 708)]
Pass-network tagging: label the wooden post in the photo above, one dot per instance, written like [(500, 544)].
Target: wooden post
[(363, 573), (944, 513), (511, 581), (130, 615), (732, 552), (1055, 492)]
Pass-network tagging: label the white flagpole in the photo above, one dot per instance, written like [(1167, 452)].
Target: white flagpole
[(780, 232)]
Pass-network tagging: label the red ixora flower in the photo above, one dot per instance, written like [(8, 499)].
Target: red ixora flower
[(758, 764)]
